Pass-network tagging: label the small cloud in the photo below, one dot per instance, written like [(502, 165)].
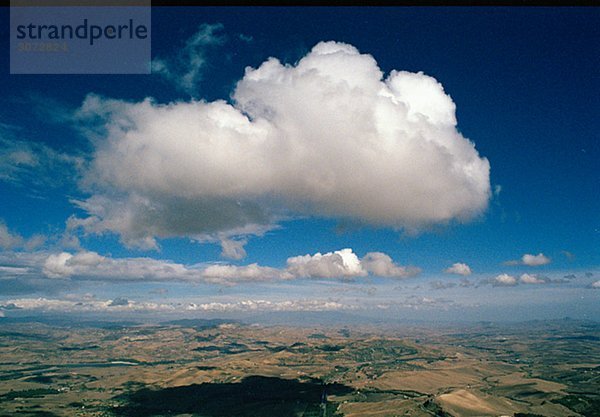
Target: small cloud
[(119, 301), (596, 284), (231, 274), (465, 283), (339, 264), (246, 38), (381, 265), (186, 68), (505, 280), (33, 166), (497, 190), (9, 306), (233, 248), (567, 255), (459, 269), (530, 260), (440, 285), (11, 240), (535, 260), (531, 279)]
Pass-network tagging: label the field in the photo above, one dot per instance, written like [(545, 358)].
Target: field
[(228, 369)]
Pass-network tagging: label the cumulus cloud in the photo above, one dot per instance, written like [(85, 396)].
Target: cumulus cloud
[(505, 280), (329, 137), (186, 68), (535, 260), (381, 265), (458, 269), (596, 284), (531, 260), (531, 279), (88, 265), (343, 263)]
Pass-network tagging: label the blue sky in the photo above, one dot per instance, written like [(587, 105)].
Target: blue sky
[(83, 221)]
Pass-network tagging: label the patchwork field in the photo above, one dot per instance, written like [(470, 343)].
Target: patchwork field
[(226, 369)]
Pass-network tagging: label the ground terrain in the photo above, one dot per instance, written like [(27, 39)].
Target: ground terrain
[(228, 369)]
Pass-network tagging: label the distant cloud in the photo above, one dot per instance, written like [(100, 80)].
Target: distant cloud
[(230, 274), (33, 165), (10, 240), (568, 255), (246, 38), (459, 269), (343, 263), (87, 265), (124, 305), (441, 285), (465, 283), (90, 265), (531, 260), (119, 301), (186, 68), (596, 284), (535, 260), (531, 279), (233, 248), (381, 265), (330, 136), (505, 280)]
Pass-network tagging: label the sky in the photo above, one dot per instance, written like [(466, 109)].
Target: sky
[(406, 163)]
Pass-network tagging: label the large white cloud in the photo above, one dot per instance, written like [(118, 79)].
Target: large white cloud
[(329, 137)]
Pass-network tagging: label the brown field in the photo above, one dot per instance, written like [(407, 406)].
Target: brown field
[(230, 370)]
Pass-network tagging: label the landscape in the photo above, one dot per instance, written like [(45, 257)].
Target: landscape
[(223, 368), (299, 211)]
